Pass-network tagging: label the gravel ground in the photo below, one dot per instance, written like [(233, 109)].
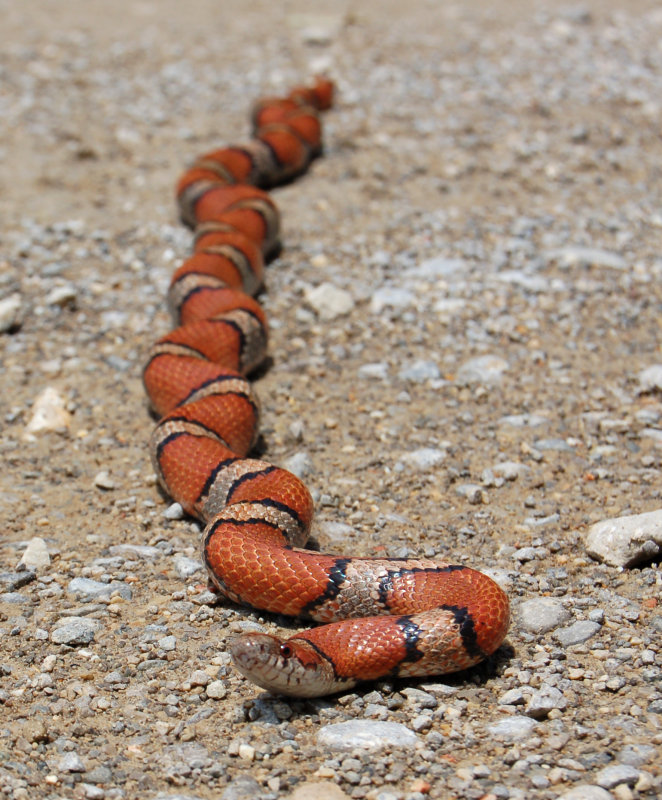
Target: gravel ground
[(482, 384)]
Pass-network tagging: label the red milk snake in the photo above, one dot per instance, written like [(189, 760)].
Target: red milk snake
[(385, 617)]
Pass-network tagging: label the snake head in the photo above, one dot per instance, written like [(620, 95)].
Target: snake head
[(292, 667)]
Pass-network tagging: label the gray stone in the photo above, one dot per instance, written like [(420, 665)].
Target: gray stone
[(636, 755), (512, 729), (424, 459), (586, 791), (542, 614), (578, 256), (650, 379), (419, 371), (366, 735), (577, 633), (510, 470), (185, 566), (626, 541), (439, 267), (545, 700), (174, 511), (615, 774), (71, 762), (485, 370), (90, 589), (11, 312), (375, 371), (242, 788), (143, 551), (35, 555), (328, 301), (299, 464), (75, 631), (390, 297)]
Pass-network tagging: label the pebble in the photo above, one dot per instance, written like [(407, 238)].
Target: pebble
[(650, 379), (174, 511), (36, 555), (440, 267), (49, 413), (586, 791), (577, 633), (75, 631), (485, 370), (242, 788), (95, 590), (300, 464), (11, 312), (510, 470), (62, 296), (577, 256), (424, 459), (375, 371), (615, 774), (636, 755), (545, 700), (329, 302), (143, 551), (103, 480), (366, 735), (318, 790), (420, 371), (512, 729), (71, 762), (185, 567), (217, 690), (626, 541), (542, 614), (389, 297)]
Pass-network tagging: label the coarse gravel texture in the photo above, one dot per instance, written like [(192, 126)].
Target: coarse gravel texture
[(488, 217)]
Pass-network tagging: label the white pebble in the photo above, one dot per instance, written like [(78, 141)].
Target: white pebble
[(626, 541), (49, 413), (11, 312), (329, 302), (36, 554)]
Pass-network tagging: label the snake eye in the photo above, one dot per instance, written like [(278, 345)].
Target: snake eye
[(285, 650)]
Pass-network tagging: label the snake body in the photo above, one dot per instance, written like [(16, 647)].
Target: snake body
[(382, 617)]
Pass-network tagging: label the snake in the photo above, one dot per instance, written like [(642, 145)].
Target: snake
[(381, 618)]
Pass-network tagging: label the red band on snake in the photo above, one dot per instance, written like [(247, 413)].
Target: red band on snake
[(382, 617)]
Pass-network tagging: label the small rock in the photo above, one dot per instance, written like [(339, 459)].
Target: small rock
[(329, 302), (366, 735), (512, 729), (439, 267), (650, 379), (185, 567), (300, 464), (217, 690), (102, 480), (474, 493), (49, 413), (94, 590), (577, 256), (318, 790), (484, 370), (62, 296), (420, 371), (11, 312), (71, 762), (615, 774), (75, 631), (174, 511), (35, 555), (510, 470), (542, 614), (377, 370), (626, 541), (390, 297), (423, 459), (577, 633), (586, 791), (636, 755), (168, 643), (242, 788), (143, 551), (544, 700), (513, 697)]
